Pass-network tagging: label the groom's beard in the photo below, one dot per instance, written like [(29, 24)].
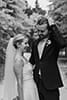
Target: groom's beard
[(41, 37)]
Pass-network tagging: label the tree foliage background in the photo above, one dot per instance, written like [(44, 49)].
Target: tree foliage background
[(58, 11)]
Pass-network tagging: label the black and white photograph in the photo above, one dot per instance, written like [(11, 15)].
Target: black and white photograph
[(33, 49)]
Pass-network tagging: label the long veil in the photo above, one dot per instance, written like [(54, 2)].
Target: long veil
[(10, 84)]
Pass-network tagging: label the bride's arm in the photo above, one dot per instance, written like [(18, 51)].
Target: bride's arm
[(18, 71), (18, 64)]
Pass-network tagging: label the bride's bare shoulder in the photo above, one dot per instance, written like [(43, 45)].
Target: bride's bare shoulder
[(18, 61)]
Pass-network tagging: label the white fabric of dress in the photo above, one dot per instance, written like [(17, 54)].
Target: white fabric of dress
[(30, 91)]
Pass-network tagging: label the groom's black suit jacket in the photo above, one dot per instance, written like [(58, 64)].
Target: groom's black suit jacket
[(50, 75)]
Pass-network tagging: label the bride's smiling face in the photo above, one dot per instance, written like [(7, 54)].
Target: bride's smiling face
[(23, 45)]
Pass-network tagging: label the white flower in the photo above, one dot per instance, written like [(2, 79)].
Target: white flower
[(48, 42)]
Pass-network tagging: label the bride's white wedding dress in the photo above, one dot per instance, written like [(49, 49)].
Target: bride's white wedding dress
[(29, 87)]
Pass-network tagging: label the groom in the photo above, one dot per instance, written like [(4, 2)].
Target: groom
[(44, 55)]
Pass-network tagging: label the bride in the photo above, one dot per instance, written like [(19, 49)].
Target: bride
[(18, 80)]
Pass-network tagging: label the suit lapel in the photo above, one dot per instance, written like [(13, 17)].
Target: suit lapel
[(36, 52), (45, 50)]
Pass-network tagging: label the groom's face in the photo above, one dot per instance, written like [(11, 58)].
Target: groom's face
[(42, 27), (43, 31)]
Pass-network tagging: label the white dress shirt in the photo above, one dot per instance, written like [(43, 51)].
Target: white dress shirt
[(41, 46)]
